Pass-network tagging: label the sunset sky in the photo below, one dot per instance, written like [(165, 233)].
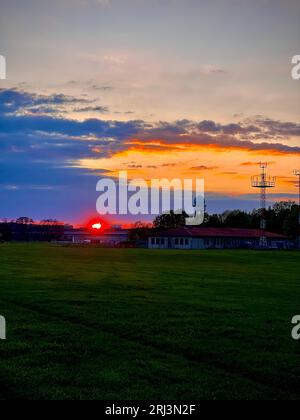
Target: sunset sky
[(161, 88)]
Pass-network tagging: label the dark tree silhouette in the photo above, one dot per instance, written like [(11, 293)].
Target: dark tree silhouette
[(170, 220), (24, 221)]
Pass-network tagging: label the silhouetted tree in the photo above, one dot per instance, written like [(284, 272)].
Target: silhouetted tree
[(282, 218), (50, 222), (291, 223), (24, 221), (140, 231), (237, 219), (170, 220), (214, 220)]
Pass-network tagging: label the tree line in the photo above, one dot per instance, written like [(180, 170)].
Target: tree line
[(282, 217), (25, 229)]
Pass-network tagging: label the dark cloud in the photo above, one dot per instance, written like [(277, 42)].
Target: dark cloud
[(44, 110), (15, 101), (256, 128), (103, 88), (99, 129), (124, 113), (99, 109), (167, 165), (179, 132), (278, 128), (204, 168), (39, 154), (134, 166), (255, 163), (90, 84), (57, 139), (220, 141), (207, 126)]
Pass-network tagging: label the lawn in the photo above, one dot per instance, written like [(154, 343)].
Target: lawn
[(91, 323)]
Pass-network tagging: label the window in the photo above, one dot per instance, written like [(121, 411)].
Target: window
[(152, 241), (157, 241), (186, 242), (181, 242), (176, 241)]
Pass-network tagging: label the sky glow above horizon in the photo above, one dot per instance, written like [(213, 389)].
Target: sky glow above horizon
[(160, 88)]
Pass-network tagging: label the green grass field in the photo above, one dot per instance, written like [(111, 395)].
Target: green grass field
[(91, 323)]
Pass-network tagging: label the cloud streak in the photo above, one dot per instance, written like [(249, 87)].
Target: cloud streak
[(23, 130)]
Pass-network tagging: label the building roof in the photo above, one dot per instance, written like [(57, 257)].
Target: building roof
[(205, 232)]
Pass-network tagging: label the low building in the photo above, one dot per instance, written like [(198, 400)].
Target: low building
[(110, 237), (214, 238)]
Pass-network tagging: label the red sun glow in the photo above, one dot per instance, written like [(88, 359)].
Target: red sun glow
[(97, 226)]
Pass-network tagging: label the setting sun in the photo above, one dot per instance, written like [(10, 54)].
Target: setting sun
[(97, 226)]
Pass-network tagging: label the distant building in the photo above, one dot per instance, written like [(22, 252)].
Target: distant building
[(214, 238), (55, 232), (111, 237)]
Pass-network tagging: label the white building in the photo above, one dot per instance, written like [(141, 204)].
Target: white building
[(214, 238)]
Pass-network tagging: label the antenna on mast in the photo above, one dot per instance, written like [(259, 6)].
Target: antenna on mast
[(263, 182)]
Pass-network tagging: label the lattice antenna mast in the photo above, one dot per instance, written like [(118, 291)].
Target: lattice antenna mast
[(263, 182), (297, 174)]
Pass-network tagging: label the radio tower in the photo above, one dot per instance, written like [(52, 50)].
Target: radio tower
[(297, 174), (263, 182)]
